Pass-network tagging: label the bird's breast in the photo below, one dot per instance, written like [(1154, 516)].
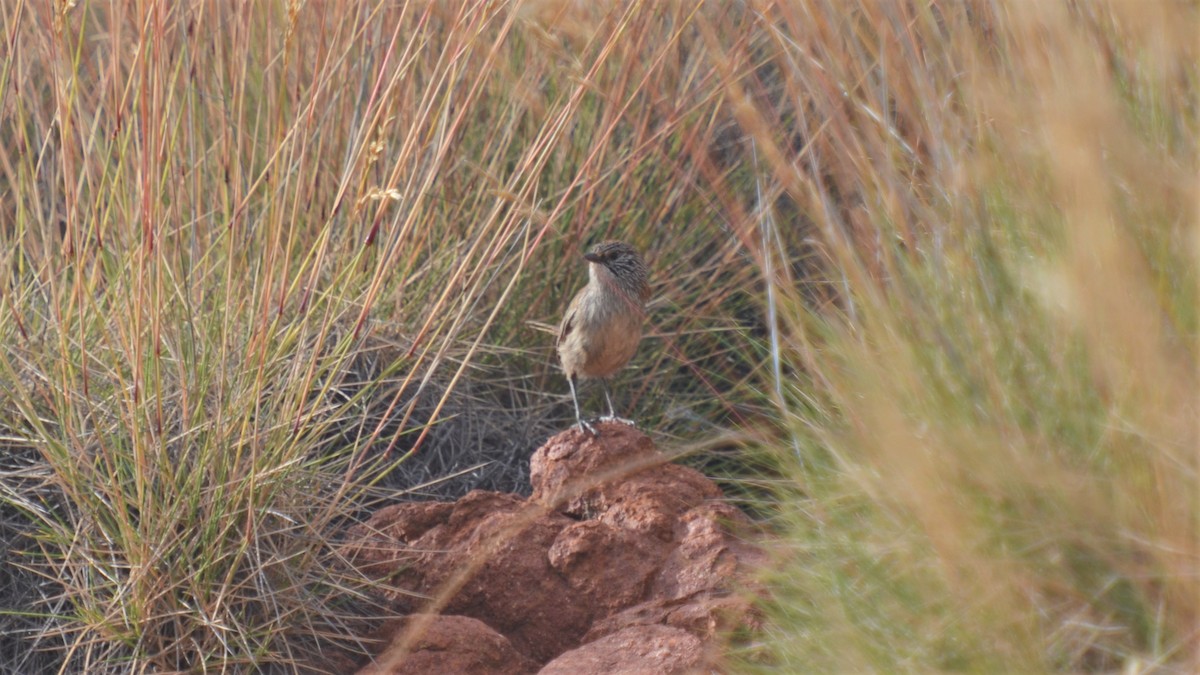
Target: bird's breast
[(602, 339)]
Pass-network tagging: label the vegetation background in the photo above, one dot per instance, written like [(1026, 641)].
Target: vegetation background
[(925, 293)]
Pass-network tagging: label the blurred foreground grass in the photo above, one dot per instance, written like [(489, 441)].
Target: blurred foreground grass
[(934, 264)]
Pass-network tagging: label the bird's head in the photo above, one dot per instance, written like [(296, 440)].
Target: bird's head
[(616, 261)]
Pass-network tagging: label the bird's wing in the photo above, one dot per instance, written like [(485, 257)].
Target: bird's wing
[(567, 323)]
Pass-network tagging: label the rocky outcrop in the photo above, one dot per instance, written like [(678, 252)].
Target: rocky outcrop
[(619, 562)]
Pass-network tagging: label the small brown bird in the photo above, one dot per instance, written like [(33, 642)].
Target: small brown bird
[(603, 324)]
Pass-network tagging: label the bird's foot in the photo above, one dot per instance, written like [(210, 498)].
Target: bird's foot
[(619, 420), (587, 427)]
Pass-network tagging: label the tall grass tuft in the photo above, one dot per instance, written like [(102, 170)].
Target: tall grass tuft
[(263, 266), (997, 419), (256, 259)]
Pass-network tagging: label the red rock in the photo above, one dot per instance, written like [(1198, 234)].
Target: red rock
[(446, 644), (706, 616), (610, 567), (708, 557), (572, 467), (636, 559), (515, 589), (642, 650), (618, 477), (653, 501)]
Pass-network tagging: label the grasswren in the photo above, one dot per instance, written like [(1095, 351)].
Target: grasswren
[(603, 325)]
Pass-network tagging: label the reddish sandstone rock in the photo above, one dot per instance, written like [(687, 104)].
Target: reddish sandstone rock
[(707, 617), (652, 502), (515, 589), (637, 560), (643, 650), (610, 567), (569, 470), (618, 477), (446, 644), (707, 555), (489, 553)]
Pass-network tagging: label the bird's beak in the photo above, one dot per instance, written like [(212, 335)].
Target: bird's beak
[(591, 257)]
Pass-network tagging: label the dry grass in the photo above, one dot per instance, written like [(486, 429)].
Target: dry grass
[(999, 421), (937, 261)]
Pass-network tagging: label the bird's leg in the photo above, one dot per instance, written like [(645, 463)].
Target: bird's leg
[(612, 412), (583, 426)]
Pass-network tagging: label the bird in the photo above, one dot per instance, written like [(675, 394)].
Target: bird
[(602, 326)]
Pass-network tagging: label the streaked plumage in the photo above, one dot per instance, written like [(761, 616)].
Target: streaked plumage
[(602, 327)]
